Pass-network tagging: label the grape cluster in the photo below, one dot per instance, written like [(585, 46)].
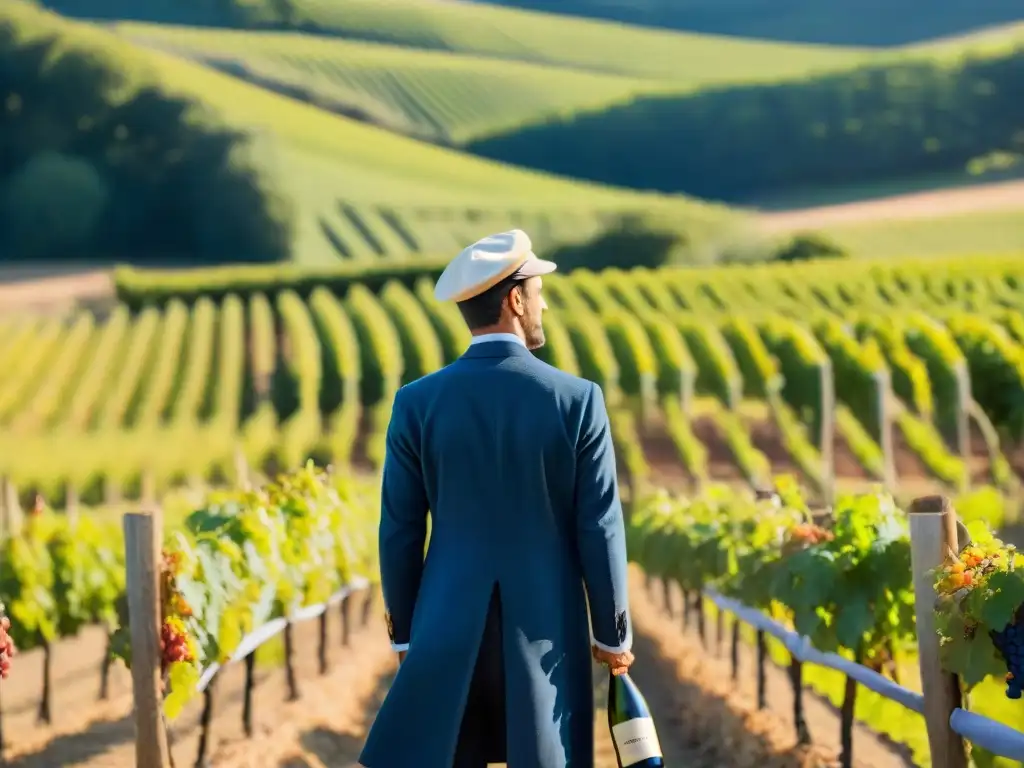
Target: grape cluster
[(7, 649), (805, 535), (968, 569), (1010, 643), (174, 644)]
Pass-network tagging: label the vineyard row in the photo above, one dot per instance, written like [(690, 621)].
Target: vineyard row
[(177, 389)]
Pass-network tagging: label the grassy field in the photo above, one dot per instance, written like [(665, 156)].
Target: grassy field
[(979, 231)]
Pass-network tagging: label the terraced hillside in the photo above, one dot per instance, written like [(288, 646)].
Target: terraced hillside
[(718, 375)]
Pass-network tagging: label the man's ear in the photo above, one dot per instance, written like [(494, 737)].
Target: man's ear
[(517, 301)]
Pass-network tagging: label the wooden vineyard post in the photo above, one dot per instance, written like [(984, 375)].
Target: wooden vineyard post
[(846, 716), (147, 487), (963, 419), (686, 385), (368, 603), (111, 491), (71, 501), (204, 724), (142, 558), (719, 630), (243, 475), (648, 401), (796, 681), (734, 650), (882, 389), (321, 652), (11, 506), (289, 663), (735, 394), (250, 684), (933, 533), (702, 632), (762, 681), (828, 426), (346, 620)]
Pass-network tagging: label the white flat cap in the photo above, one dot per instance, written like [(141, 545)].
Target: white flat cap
[(486, 263)]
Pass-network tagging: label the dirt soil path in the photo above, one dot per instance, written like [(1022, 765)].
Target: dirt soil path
[(1007, 195), (89, 735), (703, 721), (724, 700), (37, 290)]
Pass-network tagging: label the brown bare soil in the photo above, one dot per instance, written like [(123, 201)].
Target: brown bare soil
[(766, 438), (908, 464), (667, 468), (1007, 195), (845, 461), (722, 465), (979, 463), (102, 735), (60, 289), (722, 716)]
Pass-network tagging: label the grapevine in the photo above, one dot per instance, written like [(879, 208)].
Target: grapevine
[(245, 558), (978, 612), (844, 583)]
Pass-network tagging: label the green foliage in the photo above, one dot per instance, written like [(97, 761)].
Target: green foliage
[(805, 246), (968, 611), (57, 576), (867, 124), (51, 207), (633, 243), (247, 557), (98, 160), (845, 587)]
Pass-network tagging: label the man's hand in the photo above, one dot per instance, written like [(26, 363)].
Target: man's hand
[(618, 663)]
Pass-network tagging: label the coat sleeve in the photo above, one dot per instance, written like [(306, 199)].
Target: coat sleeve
[(403, 523), (600, 531)]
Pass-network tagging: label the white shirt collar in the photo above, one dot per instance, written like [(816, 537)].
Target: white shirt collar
[(497, 337)]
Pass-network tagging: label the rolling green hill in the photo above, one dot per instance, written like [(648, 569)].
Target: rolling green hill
[(453, 73), (549, 39), (839, 22), (489, 86), (359, 190), (325, 162), (446, 97), (584, 98)]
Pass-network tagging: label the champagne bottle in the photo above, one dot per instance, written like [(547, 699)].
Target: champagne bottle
[(633, 733)]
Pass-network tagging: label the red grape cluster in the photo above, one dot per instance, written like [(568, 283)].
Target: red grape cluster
[(7, 649), (174, 645)]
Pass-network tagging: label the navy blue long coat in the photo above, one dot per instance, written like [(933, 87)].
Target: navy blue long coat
[(514, 460)]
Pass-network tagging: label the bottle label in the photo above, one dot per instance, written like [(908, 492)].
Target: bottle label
[(637, 740)]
